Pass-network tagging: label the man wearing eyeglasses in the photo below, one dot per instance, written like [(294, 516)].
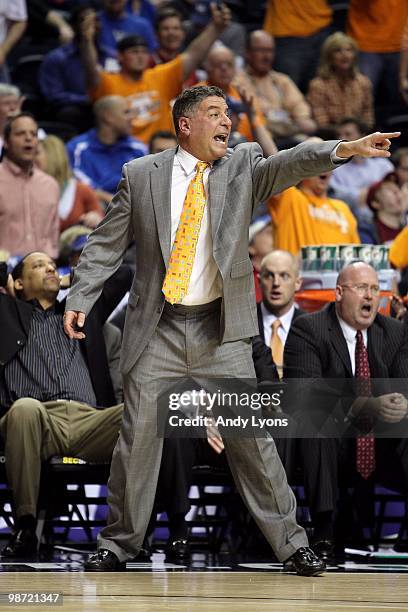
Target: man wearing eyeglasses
[(368, 352)]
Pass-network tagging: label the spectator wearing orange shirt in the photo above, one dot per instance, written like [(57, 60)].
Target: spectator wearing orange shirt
[(149, 91), (340, 90), (305, 215), (299, 29), (377, 27)]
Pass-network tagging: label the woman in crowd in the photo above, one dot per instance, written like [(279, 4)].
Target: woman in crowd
[(340, 90), (78, 202)]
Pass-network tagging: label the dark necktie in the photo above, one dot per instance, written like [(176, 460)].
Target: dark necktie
[(365, 452)]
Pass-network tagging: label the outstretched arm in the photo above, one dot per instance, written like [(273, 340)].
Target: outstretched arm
[(199, 47)]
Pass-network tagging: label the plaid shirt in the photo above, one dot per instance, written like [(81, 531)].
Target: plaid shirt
[(332, 100)]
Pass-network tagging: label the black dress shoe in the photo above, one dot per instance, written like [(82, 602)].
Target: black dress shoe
[(324, 549), (104, 561), (305, 563), (177, 550), (23, 544)]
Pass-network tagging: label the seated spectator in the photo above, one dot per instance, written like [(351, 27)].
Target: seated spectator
[(220, 67), (161, 141), (389, 204), (10, 105), (368, 354), (62, 78), (78, 202), (149, 91), (170, 36), (284, 106), (340, 90), (13, 22), (351, 183), (260, 243), (115, 23), (28, 197), (305, 215), (97, 156), (299, 29), (51, 386)]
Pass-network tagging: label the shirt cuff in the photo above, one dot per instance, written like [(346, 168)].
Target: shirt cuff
[(335, 158)]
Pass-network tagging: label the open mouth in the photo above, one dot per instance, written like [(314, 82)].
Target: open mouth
[(221, 138), (366, 309)]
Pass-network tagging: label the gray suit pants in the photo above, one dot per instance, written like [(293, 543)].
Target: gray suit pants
[(186, 343)]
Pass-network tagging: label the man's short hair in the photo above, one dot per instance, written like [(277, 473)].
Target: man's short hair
[(190, 98), (11, 120), (358, 123), (161, 134), (134, 40), (165, 13)]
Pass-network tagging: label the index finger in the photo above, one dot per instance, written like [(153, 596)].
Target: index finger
[(390, 134)]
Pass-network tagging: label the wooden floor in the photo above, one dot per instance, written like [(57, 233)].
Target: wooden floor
[(212, 591)]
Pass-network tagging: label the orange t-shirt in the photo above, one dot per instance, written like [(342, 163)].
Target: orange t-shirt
[(301, 219), (399, 250), (294, 18), (244, 127), (149, 97), (377, 26)]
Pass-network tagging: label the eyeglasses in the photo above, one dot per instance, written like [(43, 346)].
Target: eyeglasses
[(362, 289)]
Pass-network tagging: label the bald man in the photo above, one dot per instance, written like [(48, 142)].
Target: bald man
[(286, 109), (367, 352), (97, 156)]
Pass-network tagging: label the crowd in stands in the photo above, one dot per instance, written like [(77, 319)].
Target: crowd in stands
[(88, 85)]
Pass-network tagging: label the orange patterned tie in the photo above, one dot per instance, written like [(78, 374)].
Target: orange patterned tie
[(182, 255), (276, 344)]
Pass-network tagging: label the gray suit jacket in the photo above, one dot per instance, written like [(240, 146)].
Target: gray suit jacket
[(141, 211)]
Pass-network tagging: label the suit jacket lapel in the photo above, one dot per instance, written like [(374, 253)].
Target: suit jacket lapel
[(375, 342), (217, 189), (160, 186), (338, 340)]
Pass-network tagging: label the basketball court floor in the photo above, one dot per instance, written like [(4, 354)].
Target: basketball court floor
[(208, 583)]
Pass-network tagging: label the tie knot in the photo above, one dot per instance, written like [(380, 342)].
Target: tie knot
[(276, 325), (201, 167), (359, 336)]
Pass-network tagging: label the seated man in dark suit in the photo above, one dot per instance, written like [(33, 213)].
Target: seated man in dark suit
[(365, 356), (50, 386)]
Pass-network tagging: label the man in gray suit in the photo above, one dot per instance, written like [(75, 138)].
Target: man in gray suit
[(206, 332)]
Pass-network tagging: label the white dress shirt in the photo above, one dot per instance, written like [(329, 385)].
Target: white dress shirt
[(268, 318), (205, 281), (349, 334)]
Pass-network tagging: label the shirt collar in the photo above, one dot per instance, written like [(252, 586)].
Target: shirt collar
[(15, 169), (349, 332), (285, 319), (187, 161)]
